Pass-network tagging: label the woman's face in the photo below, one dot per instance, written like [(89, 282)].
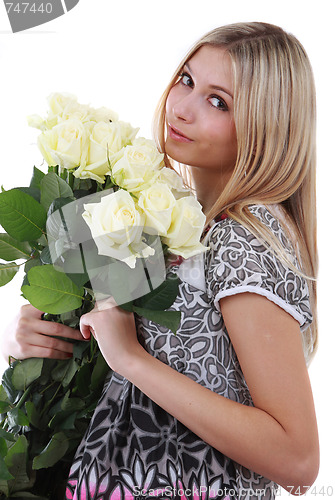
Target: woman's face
[(199, 113)]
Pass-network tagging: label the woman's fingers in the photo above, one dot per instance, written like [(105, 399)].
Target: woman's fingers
[(30, 319), (44, 341), (115, 331), (30, 311), (56, 329), (30, 344), (33, 351), (85, 326), (86, 321), (30, 336)]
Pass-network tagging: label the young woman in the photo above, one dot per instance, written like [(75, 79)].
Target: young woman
[(224, 408)]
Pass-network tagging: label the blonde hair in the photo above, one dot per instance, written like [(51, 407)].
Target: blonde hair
[(274, 112)]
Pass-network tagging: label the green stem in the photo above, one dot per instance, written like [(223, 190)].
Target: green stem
[(53, 169), (70, 179), (52, 399), (48, 387), (25, 262), (93, 349), (63, 175), (24, 397)]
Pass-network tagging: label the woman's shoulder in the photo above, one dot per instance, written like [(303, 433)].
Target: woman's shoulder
[(238, 261), (228, 230)]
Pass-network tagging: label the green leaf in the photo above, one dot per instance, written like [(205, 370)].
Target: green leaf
[(99, 373), (45, 256), (82, 377), (11, 249), (7, 272), (5, 475), (32, 414), (63, 420), (169, 319), (65, 371), (21, 216), (162, 297), (9, 436), (71, 371), (26, 494), (3, 393), (73, 267), (34, 192), (52, 453), (17, 417), (33, 262), (127, 306), (72, 404), (25, 372), (4, 406), (52, 187), (7, 385), (16, 461), (36, 178), (58, 203), (51, 291), (3, 447), (79, 348)]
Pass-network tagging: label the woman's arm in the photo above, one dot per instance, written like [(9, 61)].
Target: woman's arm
[(28, 336), (278, 437)]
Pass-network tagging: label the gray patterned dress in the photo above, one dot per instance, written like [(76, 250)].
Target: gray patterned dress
[(134, 449)]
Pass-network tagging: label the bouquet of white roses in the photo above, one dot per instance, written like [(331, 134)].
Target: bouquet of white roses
[(100, 222)]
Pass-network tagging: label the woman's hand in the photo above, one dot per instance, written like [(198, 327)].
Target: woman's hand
[(28, 336), (115, 331)]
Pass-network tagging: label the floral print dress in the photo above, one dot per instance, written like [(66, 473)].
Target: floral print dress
[(133, 449)]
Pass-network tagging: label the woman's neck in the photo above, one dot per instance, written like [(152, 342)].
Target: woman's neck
[(208, 185)]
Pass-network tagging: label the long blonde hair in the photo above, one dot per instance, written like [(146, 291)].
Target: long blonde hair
[(274, 112)]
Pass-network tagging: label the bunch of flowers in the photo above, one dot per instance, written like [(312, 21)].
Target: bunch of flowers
[(100, 222)]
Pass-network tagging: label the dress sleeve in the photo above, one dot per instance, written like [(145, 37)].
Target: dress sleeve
[(238, 262)]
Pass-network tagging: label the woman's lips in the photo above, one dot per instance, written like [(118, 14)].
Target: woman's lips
[(177, 135)]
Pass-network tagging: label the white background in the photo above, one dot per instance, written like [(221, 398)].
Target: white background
[(121, 54)]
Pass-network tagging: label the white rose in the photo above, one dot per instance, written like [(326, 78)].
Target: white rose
[(37, 121), (75, 110), (137, 166), (104, 135), (103, 115), (116, 227), (148, 143), (187, 225), (66, 144), (64, 107), (128, 132), (157, 203), (58, 101), (107, 138), (174, 180)]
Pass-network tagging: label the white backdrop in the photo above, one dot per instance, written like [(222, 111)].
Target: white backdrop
[(121, 55)]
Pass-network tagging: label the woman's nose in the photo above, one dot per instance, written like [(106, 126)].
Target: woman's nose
[(184, 108)]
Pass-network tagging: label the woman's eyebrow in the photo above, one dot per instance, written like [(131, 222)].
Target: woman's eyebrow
[(214, 87)]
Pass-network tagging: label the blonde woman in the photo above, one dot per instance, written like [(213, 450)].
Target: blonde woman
[(223, 409)]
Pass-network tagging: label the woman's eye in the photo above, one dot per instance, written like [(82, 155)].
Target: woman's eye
[(186, 80), (218, 103)]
